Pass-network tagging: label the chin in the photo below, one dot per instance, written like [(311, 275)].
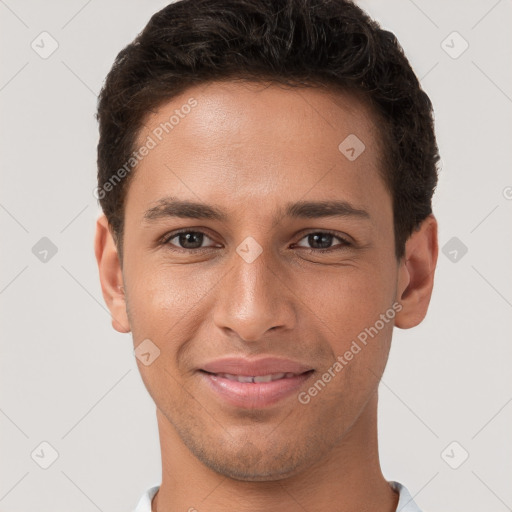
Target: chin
[(249, 463), (245, 472)]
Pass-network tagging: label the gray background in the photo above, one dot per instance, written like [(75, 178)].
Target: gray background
[(67, 378)]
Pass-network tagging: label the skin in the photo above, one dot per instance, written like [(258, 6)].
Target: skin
[(249, 149)]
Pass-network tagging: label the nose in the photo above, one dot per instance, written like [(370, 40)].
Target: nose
[(254, 299)]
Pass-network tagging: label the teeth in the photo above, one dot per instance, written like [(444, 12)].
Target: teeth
[(242, 378), (259, 378), (269, 378)]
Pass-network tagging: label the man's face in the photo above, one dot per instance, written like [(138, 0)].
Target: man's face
[(250, 152)]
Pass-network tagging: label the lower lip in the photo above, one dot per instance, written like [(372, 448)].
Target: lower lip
[(254, 395)]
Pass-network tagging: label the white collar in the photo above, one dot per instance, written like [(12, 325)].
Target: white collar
[(405, 501)]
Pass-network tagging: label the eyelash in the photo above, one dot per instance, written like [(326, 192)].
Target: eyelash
[(167, 238)]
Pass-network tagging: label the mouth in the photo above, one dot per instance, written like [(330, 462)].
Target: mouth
[(254, 391), (271, 377)]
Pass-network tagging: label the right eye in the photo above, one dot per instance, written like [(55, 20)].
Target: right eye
[(186, 240)]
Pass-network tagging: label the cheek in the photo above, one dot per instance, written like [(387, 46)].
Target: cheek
[(164, 295), (346, 301), (347, 311)]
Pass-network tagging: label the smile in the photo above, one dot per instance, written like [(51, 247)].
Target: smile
[(253, 391), (256, 378)]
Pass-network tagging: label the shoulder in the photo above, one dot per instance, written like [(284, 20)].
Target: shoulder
[(405, 500), (144, 504)]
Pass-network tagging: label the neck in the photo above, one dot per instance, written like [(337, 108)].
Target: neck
[(349, 478)]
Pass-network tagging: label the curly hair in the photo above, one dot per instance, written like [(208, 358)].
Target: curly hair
[(301, 43)]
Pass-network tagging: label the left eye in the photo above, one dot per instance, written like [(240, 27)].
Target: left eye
[(318, 240), (324, 239)]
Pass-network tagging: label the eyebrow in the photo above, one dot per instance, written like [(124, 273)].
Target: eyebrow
[(174, 207)]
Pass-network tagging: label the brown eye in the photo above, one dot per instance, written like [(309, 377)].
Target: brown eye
[(322, 240), (187, 240)]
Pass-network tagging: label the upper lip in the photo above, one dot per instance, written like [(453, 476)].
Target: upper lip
[(254, 367)]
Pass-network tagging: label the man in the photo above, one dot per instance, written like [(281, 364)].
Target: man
[(266, 169)]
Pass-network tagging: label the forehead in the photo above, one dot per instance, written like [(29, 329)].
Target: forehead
[(235, 108), (252, 142)]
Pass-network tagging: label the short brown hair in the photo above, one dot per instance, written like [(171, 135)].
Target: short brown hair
[(302, 43)]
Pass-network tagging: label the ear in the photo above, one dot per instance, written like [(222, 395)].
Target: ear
[(111, 276), (416, 274)]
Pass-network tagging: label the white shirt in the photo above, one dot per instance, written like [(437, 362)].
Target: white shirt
[(405, 501)]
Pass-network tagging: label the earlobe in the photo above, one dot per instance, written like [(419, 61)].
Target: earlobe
[(416, 274), (111, 276)]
